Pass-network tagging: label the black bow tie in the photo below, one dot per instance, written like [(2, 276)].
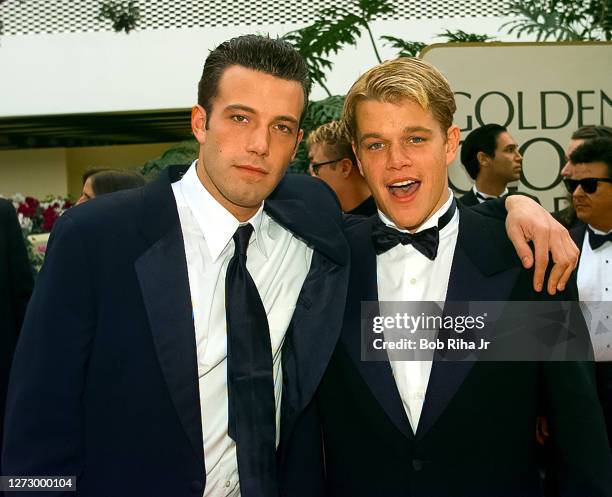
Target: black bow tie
[(426, 241), (596, 241)]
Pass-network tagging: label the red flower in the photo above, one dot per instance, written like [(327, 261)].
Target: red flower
[(32, 202), (26, 209), (49, 217)]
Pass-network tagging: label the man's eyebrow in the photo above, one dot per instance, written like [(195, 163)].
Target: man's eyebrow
[(244, 108), (407, 129), (250, 110), (369, 135), (413, 129)]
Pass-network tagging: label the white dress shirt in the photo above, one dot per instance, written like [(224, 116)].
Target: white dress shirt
[(404, 274), (595, 293), (486, 195), (278, 263)]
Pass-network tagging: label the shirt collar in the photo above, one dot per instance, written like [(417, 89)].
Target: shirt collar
[(431, 222), (486, 195), (216, 223), (598, 232)]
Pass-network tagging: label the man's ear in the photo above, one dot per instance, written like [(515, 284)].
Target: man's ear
[(198, 123), (482, 158), (346, 166), (300, 135), (453, 134)]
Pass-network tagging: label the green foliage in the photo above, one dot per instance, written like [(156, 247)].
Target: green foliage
[(318, 113), (123, 15), (322, 111), (182, 153), (336, 27), (404, 48), (461, 36), (562, 20)]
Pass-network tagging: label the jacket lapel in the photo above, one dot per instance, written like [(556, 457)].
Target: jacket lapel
[(477, 274), (163, 266), (363, 286), (317, 319)]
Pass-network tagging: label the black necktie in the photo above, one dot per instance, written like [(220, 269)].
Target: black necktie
[(596, 241), (251, 416), (426, 241)]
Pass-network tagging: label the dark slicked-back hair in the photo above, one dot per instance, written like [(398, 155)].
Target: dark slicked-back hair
[(109, 181), (91, 171), (590, 132), (483, 139), (260, 53), (594, 150)]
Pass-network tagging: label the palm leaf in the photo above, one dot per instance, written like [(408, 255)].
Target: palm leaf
[(405, 48)]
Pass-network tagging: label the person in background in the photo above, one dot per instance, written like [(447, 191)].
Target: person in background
[(332, 160), (591, 188), (567, 216), (16, 282), (492, 159), (104, 181)]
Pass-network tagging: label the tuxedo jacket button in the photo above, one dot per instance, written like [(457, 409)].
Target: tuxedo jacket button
[(417, 464), (196, 486)]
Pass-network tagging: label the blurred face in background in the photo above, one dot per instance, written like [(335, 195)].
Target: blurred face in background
[(593, 208), (566, 172), (87, 193), (323, 164), (507, 161)]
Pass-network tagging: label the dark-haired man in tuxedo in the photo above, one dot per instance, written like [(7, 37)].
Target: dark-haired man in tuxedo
[(590, 184), (209, 303), (583, 134), (491, 157), (438, 428)]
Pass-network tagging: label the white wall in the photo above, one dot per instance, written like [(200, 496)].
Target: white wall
[(37, 172), (70, 73)]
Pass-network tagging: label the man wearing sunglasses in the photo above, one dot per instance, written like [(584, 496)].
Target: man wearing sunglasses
[(332, 160), (567, 216), (590, 185)]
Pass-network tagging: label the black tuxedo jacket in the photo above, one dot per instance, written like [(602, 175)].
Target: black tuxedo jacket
[(469, 199), (16, 281), (602, 369), (104, 384), (476, 435)]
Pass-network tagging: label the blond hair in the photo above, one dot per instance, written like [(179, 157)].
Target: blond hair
[(405, 77), (332, 135)]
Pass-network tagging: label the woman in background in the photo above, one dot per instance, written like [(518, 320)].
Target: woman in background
[(102, 181)]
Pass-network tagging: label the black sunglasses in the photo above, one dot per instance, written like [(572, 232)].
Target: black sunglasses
[(589, 185), (317, 165)]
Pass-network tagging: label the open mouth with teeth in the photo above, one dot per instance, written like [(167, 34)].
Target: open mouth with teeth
[(404, 189)]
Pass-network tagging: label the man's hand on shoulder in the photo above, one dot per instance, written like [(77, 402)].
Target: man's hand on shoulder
[(527, 221)]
